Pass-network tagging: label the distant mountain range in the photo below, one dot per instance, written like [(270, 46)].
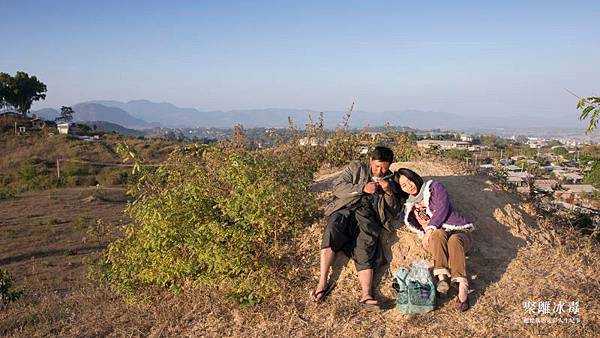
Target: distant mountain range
[(170, 115), (89, 111), (143, 114)]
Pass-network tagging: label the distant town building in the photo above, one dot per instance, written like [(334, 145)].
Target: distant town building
[(575, 192), (546, 185), (579, 189), (63, 128), (382, 137), (466, 138), (67, 128), (443, 144), (514, 168), (487, 169), (309, 141), (572, 177)]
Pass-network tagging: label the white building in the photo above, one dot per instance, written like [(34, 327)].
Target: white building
[(443, 144), (64, 127)]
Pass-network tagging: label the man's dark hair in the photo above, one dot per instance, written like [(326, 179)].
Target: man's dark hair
[(381, 153), (411, 175)]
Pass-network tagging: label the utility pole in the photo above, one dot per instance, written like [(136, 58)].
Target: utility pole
[(58, 168)]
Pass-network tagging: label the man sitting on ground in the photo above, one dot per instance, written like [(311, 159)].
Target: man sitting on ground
[(365, 201)]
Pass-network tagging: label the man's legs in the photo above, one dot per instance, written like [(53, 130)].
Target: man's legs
[(327, 258), (365, 278), (366, 252), (335, 237)]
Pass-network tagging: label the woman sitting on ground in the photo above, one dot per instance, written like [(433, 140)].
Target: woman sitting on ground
[(444, 231)]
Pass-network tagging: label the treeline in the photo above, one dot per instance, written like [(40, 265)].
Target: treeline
[(20, 91)]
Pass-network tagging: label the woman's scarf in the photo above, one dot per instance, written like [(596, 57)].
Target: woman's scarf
[(419, 197)]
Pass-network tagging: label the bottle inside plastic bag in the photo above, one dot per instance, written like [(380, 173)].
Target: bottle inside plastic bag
[(419, 271)]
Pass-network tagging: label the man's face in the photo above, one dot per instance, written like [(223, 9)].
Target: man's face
[(378, 168)]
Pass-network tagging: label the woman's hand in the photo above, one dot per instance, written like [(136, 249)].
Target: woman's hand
[(425, 241), (422, 221)]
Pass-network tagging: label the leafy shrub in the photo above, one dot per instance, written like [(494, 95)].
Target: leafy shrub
[(457, 154), (75, 169), (4, 194), (113, 177), (404, 146), (80, 181), (219, 216), (6, 295), (29, 171), (343, 147)]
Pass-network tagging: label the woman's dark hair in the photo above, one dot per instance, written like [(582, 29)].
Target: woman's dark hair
[(381, 153), (411, 175)]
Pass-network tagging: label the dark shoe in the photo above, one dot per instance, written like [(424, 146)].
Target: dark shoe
[(462, 306), (319, 296), (369, 301)]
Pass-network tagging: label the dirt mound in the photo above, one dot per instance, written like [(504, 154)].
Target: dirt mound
[(513, 261), (517, 259)]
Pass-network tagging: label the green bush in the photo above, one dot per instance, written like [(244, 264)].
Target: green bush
[(5, 194), (29, 171), (6, 295), (457, 154), (79, 181), (404, 146), (112, 177), (214, 216), (75, 169)]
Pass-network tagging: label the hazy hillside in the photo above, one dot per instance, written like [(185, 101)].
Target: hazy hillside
[(48, 114), (141, 114), (113, 127), (97, 112), (171, 115)]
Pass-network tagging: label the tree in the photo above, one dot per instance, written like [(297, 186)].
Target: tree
[(591, 109), (562, 151), (66, 113), (21, 91), (593, 176), (6, 90)]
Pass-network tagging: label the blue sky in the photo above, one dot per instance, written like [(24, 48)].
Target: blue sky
[(469, 58)]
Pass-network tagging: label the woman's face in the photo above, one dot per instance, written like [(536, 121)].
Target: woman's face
[(407, 185)]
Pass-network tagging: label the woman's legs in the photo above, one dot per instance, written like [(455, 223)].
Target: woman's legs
[(438, 247), (448, 250), (458, 244)]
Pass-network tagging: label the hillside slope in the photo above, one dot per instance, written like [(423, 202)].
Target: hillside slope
[(517, 258)]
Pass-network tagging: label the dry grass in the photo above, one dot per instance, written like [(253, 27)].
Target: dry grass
[(517, 258), (36, 154)]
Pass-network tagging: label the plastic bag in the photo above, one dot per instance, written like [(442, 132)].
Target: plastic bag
[(419, 271)]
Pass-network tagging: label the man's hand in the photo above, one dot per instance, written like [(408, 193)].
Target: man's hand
[(386, 186), (370, 188)]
